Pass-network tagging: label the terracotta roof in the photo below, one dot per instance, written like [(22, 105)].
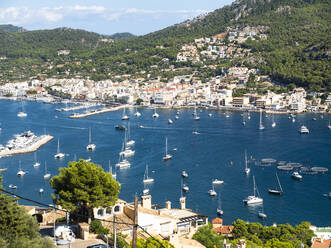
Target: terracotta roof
[(223, 230), (217, 221), (319, 244)]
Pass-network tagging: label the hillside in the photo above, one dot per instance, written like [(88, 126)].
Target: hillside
[(297, 48), (121, 36), (11, 28)]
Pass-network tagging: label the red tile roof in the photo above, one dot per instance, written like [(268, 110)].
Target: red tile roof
[(318, 244), (223, 230), (217, 221)]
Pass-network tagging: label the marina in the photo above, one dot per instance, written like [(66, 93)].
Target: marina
[(218, 152)]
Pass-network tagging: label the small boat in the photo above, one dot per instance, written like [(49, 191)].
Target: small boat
[(123, 163), (244, 123), (145, 191), (12, 186), (261, 127), (210, 114), (47, 175), (176, 117), (120, 127), (140, 126), (155, 115), (185, 188), (170, 121), (247, 170), (276, 191), (195, 132), (129, 142), (21, 172), (253, 199), (212, 192), (146, 178), (195, 114), (314, 119), (110, 168), (36, 163), (137, 113), (262, 215), (329, 126), (124, 116), (304, 130), (296, 175), (41, 190), (248, 116), (184, 174), (273, 121), (58, 155), (167, 156), (175, 149), (217, 181), (90, 146), (293, 120), (227, 115), (219, 207), (22, 113), (88, 160)]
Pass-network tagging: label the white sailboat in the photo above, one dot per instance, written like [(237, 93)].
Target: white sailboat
[(196, 117), (219, 207), (261, 127), (20, 172), (122, 162), (167, 156), (329, 126), (22, 113), (36, 163), (137, 113), (247, 170), (276, 191), (184, 174), (261, 214), (47, 175), (217, 182), (124, 116), (111, 170), (58, 154), (90, 146), (170, 121), (253, 199), (273, 121), (155, 115), (41, 190), (212, 191), (249, 116), (185, 188), (129, 142), (146, 178)]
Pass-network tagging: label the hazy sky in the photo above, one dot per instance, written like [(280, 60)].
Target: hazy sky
[(103, 16)]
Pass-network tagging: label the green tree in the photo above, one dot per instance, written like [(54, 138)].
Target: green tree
[(153, 243), (17, 227), (208, 238), (240, 229), (83, 186)]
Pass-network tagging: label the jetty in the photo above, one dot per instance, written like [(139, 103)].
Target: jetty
[(44, 139), (104, 110)]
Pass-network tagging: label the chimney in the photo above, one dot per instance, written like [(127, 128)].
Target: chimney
[(182, 201), (168, 204), (146, 201)]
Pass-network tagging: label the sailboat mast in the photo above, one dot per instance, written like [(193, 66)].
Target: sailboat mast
[(89, 137), (58, 145), (280, 186), (254, 186), (166, 146), (245, 159)]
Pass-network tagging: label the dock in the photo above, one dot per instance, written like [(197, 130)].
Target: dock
[(76, 116), (44, 140)]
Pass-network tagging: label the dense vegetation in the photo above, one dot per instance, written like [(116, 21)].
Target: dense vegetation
[(121, 36), (297, 49), (11, 28), (256, 235), (17, 227)]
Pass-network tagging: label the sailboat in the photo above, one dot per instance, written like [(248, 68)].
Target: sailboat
[(167, 156), (41, 190), (47, 175), (185, 188), (124, 116), (111, 170), (273, 121), (146, 178), (20, 172), (196, 117), (126, 151), (247, 170), (122, 162), (129, 142), (261, 214), (155, 115), (253, 199), (275, 191), (137, 113), (36, 163), (212, 191), (184, 174), (219, 207), (58, 154), (90, 146), (249, 116), (22, 113), (329, 126), (261, 127), (170, 121), (243, 121)]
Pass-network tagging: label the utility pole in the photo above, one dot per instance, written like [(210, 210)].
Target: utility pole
[(114, 231), (135, 223)]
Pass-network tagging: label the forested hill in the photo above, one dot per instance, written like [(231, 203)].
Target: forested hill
[(121, 36), (11, 28), (297, 48)]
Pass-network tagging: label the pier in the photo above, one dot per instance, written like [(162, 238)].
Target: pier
[(34, 147), (76, 116)]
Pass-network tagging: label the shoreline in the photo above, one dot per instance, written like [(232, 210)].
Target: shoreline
[(44, 140)]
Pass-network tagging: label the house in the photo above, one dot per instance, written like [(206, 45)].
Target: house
[(222, 229), (240, 102)]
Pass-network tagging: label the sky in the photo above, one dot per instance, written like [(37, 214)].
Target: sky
[(104, 16)]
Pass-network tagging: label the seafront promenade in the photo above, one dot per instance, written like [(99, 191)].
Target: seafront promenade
[(43, 140), (76, 116)]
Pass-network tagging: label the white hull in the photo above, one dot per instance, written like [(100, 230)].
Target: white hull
[(36, 164), (59, 155), (123, 164), (212, 192), (216, 181), (167, 157), (219, 211), (130, 143), (148, 180), (253, 200), (125, 118), (21, 173), (127, 153), (47, 176), (90, 147), (22, 114)]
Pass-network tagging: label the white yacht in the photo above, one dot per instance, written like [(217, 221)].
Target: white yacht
[(90, 146), (262, 215), (127, 153), (210, 114), (195, 132), (248, 116), (12, 186), (167, 156), (58, 154), (185, 188), (247, 170), (137, 113), (36, 163), (219, 207), (217, 181), (47, 175), (146, 178), (184, 174), (254, 199), (155, 115), (304, 130), (146, 191), (22, 113), (124, 116), (212, 192), (176, 117), (195, 114), (123, 164), (20, 172), (129, 142), (261, 127), (41, 190), (273, 121), (296, 175), (170, 121)]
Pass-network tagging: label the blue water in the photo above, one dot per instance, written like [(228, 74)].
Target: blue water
[(205, 157)]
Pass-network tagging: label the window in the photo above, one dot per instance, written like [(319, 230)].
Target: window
[(100, 212), (108, 210), (117, 209)]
